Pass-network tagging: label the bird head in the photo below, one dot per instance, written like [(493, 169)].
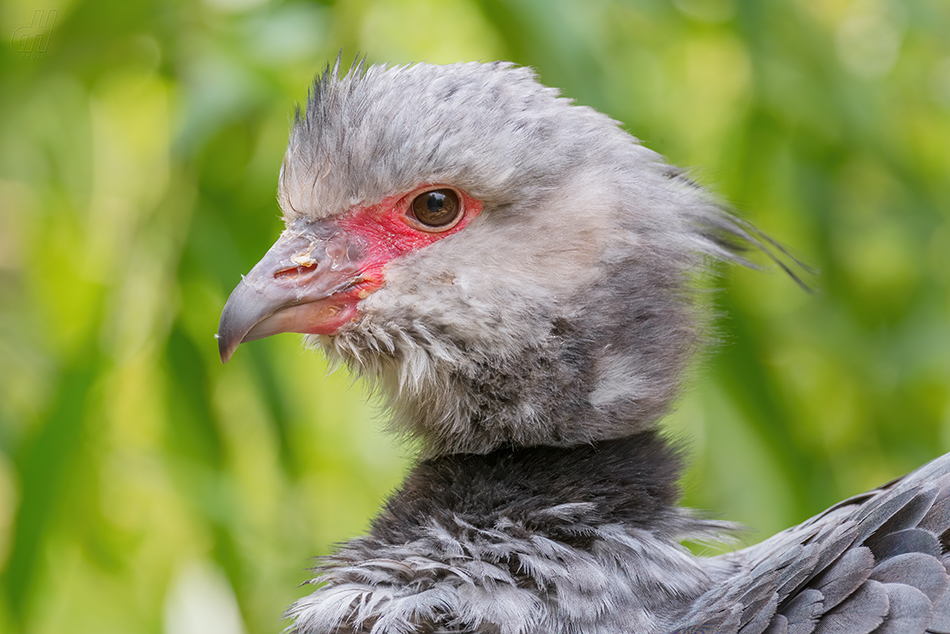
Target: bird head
[(508, 267)]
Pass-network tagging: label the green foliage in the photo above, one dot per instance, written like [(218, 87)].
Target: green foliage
[(141, 480)]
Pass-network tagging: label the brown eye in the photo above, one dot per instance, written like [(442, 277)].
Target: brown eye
[(437, 210)]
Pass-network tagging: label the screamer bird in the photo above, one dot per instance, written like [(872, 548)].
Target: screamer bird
[(516, 275)]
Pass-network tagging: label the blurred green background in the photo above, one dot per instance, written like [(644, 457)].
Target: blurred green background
[(144, 487)]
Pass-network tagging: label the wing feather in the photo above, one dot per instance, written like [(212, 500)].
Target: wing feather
[(877, 562)]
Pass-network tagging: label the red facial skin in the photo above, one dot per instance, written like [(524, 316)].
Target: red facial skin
[(312, 283), (387, 229)]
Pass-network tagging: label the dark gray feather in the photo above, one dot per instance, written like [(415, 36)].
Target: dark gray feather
[(845, 576), (803, 611), (910, 611), (839, 539), (909, 540), (758, 615), (873, 516), (779, 625), (862, 613), (909, 514), (941, 615), (915, 569), (938, 517)]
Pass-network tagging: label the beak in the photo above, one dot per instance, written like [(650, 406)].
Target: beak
[(307, 283)]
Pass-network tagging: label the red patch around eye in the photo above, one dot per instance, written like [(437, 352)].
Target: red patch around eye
[(375, 235), (387, 233)]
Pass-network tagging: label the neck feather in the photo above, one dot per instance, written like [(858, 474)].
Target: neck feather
[(564, 493), (530, 539)]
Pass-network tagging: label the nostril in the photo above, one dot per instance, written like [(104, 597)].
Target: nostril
[(295, 271)]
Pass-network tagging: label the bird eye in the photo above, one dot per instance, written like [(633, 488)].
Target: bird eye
[(436, 210)]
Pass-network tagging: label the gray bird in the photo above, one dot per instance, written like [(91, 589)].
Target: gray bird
[(516, 276)]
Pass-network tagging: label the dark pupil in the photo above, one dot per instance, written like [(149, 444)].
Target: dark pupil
[(436, 208), (436, 203)]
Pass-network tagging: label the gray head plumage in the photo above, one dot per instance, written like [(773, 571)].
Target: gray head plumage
[(567, 299), (379, 130)]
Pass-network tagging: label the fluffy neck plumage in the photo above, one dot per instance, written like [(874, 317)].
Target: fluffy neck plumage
[(521, 540)]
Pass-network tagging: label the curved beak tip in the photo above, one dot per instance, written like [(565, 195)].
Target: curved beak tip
[(241, 313), (245, 308), (224, 349)]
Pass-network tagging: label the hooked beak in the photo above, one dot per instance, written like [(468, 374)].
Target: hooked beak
[(308, 282)]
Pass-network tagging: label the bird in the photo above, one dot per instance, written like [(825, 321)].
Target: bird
[(516, 276)]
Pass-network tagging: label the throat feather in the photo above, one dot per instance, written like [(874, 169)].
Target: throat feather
[(565, 493)]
